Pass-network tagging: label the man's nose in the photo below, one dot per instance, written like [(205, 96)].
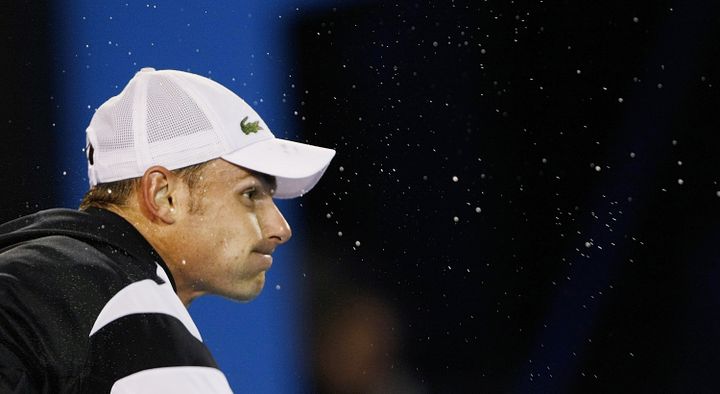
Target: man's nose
[(275, 227)]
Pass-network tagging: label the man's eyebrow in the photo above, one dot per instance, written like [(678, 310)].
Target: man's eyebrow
[(268, 180)]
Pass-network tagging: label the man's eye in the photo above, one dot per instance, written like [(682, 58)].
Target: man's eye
[(249, 193)]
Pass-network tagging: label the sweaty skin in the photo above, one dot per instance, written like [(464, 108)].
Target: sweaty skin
[(217, 239)]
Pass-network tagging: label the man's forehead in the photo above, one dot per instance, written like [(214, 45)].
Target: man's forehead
[(232, 173)]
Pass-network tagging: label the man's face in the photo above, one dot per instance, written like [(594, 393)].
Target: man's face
[(226, 239)]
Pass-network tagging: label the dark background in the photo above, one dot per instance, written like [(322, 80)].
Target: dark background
[(584, 133)]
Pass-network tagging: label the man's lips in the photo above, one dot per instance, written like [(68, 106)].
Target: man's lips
[(265, 250), (266, 258)]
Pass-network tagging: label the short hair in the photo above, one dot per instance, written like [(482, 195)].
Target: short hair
[(117, 193)]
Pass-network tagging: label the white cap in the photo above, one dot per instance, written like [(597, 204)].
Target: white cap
[(176, 119)]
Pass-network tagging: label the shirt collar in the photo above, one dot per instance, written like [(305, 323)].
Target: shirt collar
[(122, 234)]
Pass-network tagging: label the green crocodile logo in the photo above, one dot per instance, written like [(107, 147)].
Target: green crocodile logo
[(251, 127)]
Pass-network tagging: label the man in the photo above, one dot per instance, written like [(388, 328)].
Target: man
[(183, 174)]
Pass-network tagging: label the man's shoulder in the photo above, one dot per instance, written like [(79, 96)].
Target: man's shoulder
[(64, 244), (59, 274), (52, 289), (48, 256)]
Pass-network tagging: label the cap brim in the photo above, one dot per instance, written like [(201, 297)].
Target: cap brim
[(297, 167)]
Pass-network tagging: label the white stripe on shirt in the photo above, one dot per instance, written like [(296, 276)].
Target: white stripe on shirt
[(175, 380), (146, 296)]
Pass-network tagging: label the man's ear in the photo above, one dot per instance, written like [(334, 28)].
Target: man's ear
[(157, 188)]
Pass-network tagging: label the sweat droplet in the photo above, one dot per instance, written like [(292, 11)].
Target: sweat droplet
[(456, 219), (357, 243), (455, 179)]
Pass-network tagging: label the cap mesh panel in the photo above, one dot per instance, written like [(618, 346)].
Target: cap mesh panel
[(122, 119), (171, 112)]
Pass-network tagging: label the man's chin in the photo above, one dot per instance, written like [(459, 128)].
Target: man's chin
[(251, 292)]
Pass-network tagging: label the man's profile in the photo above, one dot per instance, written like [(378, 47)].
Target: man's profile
[(183, 174)]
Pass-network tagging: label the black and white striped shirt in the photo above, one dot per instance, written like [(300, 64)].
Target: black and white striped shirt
[(87, 305)]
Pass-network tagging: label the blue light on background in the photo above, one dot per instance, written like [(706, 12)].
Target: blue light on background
[(243, 46)]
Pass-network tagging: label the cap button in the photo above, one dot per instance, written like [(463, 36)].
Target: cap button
[(147, 69)]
